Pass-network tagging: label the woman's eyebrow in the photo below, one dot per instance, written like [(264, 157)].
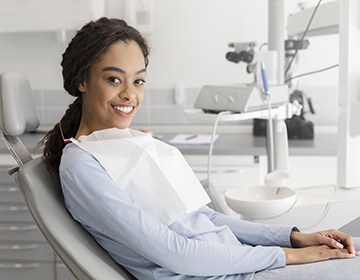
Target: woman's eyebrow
[(117, 69)]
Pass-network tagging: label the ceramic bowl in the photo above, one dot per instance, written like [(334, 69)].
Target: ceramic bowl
[(260, 202)]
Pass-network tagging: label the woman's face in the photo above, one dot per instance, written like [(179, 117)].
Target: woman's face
[(114, 88)]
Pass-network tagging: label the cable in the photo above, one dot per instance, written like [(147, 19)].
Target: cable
[(270, 136), (212, 193), (302, 38), (312, 72), (212, 142), (325, 210), (262, 45)]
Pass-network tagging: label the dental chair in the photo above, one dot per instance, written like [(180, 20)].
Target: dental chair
[(41, 189)]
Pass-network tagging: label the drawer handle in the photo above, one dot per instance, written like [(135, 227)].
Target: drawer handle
[(18, 228), (9, 189), (19, 265), (13, 209), (61, 265), (18, 247)]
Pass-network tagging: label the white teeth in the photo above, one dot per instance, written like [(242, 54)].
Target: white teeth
[(124, 109)]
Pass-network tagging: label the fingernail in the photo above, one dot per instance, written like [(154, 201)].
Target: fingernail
[(339, 245)]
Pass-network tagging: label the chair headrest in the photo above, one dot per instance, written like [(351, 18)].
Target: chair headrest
[(17, 109)]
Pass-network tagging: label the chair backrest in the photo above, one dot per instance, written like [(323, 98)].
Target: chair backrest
[(18, 112), (42, 193), (75, 246)]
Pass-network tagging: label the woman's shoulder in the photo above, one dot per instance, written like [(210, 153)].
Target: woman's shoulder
[(73, 154)]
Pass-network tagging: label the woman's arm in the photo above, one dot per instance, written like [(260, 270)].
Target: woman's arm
[(250, 232), (95, 201), (308, 248)]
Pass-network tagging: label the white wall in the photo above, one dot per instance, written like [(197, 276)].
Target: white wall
[(38, 55), (322, 52), (191, 38), (189, 42)]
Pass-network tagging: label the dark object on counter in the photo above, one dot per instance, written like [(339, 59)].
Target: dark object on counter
[(297, 126)]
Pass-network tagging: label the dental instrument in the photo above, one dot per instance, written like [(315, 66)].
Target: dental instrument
[(270, 134)]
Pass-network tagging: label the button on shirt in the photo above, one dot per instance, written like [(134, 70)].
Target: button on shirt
[(203, 244)]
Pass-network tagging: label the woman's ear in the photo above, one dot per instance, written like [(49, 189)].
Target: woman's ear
[(82, 87)]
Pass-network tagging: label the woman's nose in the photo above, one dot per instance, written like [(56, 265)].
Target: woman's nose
[(128, 93)]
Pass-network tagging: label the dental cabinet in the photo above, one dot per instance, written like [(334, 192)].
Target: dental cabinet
[(24, 252)]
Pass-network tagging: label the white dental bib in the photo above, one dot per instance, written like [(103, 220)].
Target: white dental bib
[(154, 174)]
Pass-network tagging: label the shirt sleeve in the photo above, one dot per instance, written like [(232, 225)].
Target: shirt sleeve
[(96, 202), (251, 232)]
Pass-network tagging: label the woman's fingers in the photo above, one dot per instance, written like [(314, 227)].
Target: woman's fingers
[(338, 239)]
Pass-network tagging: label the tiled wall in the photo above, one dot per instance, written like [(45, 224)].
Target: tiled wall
[(160, 106), (51, 105)]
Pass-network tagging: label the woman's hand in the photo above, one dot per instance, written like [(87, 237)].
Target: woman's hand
[(334, 239), (314, 254), (319, 246)]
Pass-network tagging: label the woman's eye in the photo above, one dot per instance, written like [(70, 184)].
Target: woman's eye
[(114, 80), (140, 82)]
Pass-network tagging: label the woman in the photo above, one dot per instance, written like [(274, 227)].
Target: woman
[(104, 67)]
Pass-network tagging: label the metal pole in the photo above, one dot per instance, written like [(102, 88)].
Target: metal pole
[(276, 14)]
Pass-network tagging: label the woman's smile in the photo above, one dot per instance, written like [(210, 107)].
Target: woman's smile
[(126, 109)]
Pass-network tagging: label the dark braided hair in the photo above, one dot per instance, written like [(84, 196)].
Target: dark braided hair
[(88, 45)]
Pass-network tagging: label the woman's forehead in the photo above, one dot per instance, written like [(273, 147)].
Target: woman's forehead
[(122, 53)]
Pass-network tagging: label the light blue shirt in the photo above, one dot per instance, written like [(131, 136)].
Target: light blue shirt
[(203, 244)]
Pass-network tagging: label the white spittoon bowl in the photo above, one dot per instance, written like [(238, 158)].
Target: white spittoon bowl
[(260, 202)]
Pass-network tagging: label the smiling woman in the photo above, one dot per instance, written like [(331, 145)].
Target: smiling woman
[(138, 197), (105, 53)]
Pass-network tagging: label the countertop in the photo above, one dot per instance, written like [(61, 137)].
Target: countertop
[(323, 144)]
